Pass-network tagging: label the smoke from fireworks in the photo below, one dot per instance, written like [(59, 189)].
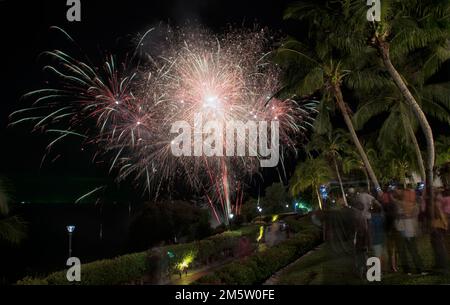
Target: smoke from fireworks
[(127, 110)]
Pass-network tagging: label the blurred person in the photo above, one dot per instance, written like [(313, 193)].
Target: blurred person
[(361, 238), (158, 266), (422, 218), (406, 224), (366, 200), (392, 234), (288, 231), (317, 218), (444, 200), (377, 231), (351, 196), (439, 227), (340, 202)]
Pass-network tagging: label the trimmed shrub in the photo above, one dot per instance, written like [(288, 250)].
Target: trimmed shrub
[(257, 268), (32, 281), (114, 271), (294, 225), (212, 278), (131, 267)]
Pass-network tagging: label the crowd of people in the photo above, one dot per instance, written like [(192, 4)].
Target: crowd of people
[(387, 225)]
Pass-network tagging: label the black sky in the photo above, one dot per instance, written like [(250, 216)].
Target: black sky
[(105, 26)]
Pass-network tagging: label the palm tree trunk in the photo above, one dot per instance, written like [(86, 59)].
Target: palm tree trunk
[(324, 222), (416, 149), (340, 181), (426, 128), (354, 136), (318, 198)]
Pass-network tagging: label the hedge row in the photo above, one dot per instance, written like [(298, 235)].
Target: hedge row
[(131, 267), (257, 268), (296, 223), (103, 272), (211, 248)]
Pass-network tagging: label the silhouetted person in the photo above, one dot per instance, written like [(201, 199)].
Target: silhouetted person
[(439, 227), (377, 231), (392, 235), (407, 224), (361, 239), (444, 199)]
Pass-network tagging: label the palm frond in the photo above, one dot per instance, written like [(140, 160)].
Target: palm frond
[(370, 109)]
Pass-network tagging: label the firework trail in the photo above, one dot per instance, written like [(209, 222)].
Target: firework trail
[(126, 110)]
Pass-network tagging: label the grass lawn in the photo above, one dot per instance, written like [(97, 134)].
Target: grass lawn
[(322, 267)]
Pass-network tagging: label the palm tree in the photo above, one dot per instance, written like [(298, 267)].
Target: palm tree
[(397, 162), (408, 27), (311, 173), (352, 161), (12, 228), (443, 159), (443, 150), (400, 125), (320, 66), (330, 146)]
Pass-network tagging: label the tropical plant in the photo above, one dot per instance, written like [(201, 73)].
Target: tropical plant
[(416, 30), (323, 62), (351, 162), (398, 163), (310, 174), (400, 125), (443, 150), (443, 159), (332, 145), (275, 198)]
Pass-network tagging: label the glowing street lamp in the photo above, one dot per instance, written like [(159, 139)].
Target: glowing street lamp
[(260, 212), (70, 230)]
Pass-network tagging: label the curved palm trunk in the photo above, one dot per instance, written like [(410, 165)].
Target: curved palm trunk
[(340, 181), (412, 135), (426, 128), (354, 136), (318, 198), (324, 222)]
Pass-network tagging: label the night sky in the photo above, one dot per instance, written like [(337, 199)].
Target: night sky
[(106, 27)]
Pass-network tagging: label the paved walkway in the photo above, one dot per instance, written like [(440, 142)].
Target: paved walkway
[(273, 236)]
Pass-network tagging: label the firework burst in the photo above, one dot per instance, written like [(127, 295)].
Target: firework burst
[(127, 110)]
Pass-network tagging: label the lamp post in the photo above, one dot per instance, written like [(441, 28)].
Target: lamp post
[(70, 230), (260, 213), (230, 219)]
